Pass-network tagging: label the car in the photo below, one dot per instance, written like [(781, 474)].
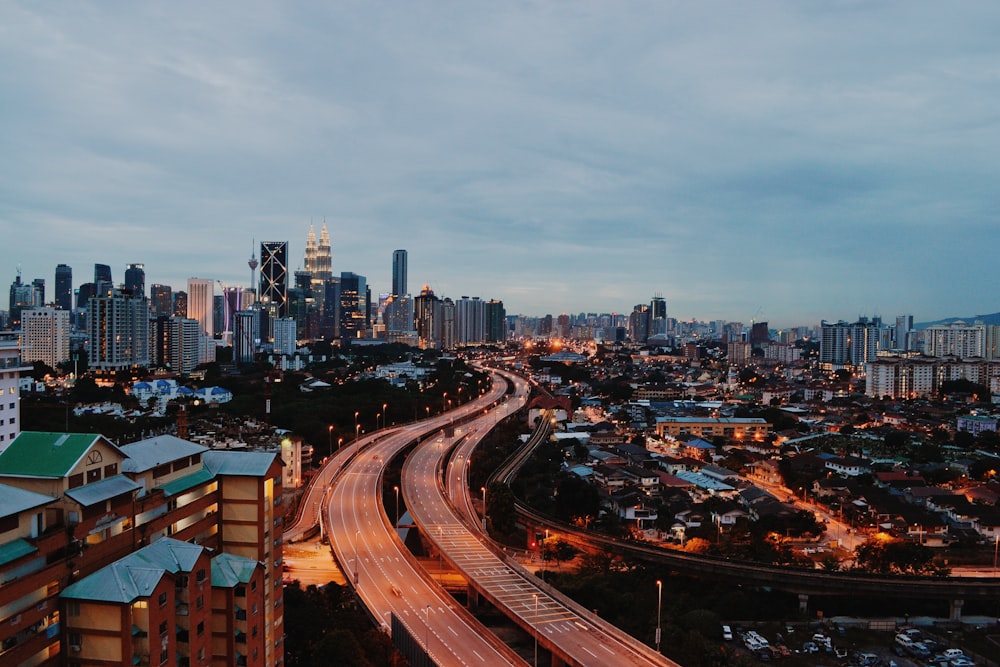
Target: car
[(962, 661), (954, 653), (810, 647), (727, 633)]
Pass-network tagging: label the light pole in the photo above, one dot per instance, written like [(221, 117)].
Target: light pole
[(357, 432), (543, 554), (340, 441), (483, 489), (329, 431), (427, 629), (385, 413), (536, 632), (396, 489), (377, 415), (659, 607)]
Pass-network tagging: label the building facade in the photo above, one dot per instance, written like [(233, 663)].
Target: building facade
[(45, 335)]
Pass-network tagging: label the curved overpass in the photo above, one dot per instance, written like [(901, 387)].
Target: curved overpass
[(574, 636)]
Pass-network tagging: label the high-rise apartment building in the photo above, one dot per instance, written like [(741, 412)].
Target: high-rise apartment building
[(904, 335), (842, 344), (446, 330), (957, 339), (45, 335), (284, 336), (246, 336), (161, 300), (399, 261), (135, 279), (64, 287), (175, 343), (638, 323), (274, 277), (118, 330), (201, 303), (470, 325)]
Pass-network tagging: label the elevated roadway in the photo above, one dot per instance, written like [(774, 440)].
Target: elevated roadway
[(573, 636)]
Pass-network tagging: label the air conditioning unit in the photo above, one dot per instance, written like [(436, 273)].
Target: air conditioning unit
[(75, 648)]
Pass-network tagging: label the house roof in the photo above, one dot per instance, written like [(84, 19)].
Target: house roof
[(110, 487), (147, 454), (14, 500), (137, 575), (229, 571), (45, 454), (249, 464)]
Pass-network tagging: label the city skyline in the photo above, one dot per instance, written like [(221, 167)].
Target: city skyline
[(780, 162)]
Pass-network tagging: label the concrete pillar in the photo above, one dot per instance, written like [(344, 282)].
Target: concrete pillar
[(803, 602), (472, 595), (557, 661), (955, 610)]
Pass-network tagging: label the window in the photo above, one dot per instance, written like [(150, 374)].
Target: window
[(241, 591), (162, 599), (253, 585), (111, 470), (201, 631), (72, 608), (200, 602), (93, 476), (163, 656), (254, 609), (76, 480), (74, 639), (163, 627), (11, 406), (182, 581), (200, 576), (201, 654)]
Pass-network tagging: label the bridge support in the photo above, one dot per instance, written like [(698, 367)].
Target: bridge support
[(955, 610), (472, 595), (803, 602)]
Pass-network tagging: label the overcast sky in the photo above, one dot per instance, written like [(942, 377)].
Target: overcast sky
[(784, 161)]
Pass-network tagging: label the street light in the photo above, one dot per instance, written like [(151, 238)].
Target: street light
[(543, 554), (340, 441), (483, 489), (357, 432), (427, 629), (536, 632), (385, 413), (330, 439), (659, 607), (396, 489)]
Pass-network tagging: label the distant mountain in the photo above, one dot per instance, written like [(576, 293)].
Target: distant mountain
[(993, 318)]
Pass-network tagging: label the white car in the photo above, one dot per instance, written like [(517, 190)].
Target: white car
[(727, 633)]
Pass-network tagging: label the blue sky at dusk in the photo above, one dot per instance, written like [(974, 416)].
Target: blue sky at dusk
[(793, 161)]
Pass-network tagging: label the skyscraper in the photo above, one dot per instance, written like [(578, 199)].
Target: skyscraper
[(102, 279), (274, 277), (324, 258), (426, 312), (161, 300), (354, 305), (495, 318), (46, 335), (135, 279), (310, 258), (64, 287), (200, 303), (469, 322), (399, 272)]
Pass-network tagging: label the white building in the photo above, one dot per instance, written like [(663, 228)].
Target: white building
[(284, 336), (118, 331), (11, 367), (957, 339), (45, 335)]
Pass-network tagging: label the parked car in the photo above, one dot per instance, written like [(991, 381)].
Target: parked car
[(727, 633)]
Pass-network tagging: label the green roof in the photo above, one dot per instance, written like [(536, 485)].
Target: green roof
[(38, 454), (187, 482), (229, 571), (15, 549)]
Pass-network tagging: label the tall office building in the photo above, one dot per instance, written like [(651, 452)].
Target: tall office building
[(118, 329), (311, 247), (135, 279), (246, 336), (201, 303), (657, 315), (354, 305), (425, 315), (399, 261), (21, 297), (318, 260), (638, 323), (86, 292), (45, 335), (274, 277), (495, 318), (161, 300), (103, 284), (760, 335), (64, 287), (180, 304)]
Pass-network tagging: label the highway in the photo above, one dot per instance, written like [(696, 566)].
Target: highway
[(575, 635), (384, 573)]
